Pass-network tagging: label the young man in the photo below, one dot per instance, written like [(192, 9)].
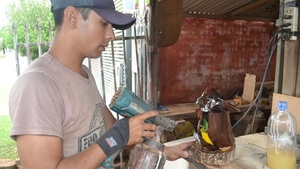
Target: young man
[(59, 118)]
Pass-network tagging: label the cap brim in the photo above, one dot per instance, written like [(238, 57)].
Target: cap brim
[(117, 19)]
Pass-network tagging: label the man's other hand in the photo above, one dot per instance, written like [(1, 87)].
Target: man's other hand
[(178, 151)]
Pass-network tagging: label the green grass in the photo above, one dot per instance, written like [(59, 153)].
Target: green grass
[(8, 149)]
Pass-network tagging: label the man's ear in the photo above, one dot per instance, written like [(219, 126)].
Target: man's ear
[(71, 17)]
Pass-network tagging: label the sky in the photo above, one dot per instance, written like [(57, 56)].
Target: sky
[(3, 5)]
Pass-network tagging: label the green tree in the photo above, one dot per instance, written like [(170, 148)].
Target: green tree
[(28, 11)]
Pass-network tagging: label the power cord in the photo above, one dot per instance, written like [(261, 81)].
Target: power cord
[(271, 48), (274, 46), (283, 33)]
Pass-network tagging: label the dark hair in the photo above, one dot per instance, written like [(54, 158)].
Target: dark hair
[(58, 15)]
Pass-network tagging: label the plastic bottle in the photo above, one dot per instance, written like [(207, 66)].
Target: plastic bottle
[(282, 138)]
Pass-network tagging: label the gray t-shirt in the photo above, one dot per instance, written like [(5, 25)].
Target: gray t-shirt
[(50, 99)]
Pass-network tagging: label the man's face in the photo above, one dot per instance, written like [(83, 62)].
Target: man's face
[(95, 33)]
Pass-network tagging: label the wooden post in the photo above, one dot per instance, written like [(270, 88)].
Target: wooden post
[(287, 78), (297, 93), (50, 32), (39, 37), (127, 62), (27, 45), (16, 49), (279, 67), (103, 79), (279, 56), (139, 88), (152, 57), (114, 65), (290, 68)]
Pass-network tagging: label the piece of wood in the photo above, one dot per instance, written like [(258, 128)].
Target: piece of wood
[(293, 106), (297, 93), (186, 109), (244, 126), (290, 70), (237, 101), (279, 63)]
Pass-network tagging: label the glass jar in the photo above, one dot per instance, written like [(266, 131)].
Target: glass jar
[(282, 138), (148, 155)]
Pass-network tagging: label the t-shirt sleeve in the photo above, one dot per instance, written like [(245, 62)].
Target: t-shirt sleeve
[(35, 106)]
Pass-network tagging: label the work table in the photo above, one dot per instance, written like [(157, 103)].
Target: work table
[(250, 153)]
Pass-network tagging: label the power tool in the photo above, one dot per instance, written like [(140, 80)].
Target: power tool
[(127, 104)]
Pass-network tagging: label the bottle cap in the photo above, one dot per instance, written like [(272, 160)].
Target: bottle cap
[(282, 105)]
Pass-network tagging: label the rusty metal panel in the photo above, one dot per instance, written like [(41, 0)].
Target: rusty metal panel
[(215, 54)]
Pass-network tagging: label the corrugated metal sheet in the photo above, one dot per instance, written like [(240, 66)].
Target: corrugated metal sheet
[(264, 10), (218, 7)]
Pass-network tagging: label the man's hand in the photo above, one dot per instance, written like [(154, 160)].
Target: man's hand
[(178, 151), (139, 129)]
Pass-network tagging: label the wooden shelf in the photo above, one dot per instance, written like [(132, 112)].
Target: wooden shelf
[(180, 111)]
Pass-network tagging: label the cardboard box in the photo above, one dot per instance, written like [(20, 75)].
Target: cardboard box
[(293, 106)]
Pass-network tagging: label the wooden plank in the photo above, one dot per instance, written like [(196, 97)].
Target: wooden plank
[(27, 43), (279, 67), (16, 48), (290, 67), (293, 105), (297, 93), (279, 57), (179, 109)]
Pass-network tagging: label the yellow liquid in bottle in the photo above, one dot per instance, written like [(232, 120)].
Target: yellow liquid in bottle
[(281, 159)]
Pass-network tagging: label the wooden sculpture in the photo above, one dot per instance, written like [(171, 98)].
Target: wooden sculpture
[(215, 143)]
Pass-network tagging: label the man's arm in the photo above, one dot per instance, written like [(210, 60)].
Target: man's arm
[(109, 118), (38, 151)]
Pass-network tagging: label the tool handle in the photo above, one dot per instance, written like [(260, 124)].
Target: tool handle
[(164, 122)]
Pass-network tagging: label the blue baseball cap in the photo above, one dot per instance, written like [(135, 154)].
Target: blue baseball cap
[(104, 8)]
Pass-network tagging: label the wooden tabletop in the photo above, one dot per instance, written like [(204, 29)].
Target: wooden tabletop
[(250, 153)]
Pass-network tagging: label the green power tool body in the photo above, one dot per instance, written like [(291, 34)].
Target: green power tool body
[(127, 104)]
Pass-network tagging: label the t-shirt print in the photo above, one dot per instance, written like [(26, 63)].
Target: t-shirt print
[(96, 129)]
